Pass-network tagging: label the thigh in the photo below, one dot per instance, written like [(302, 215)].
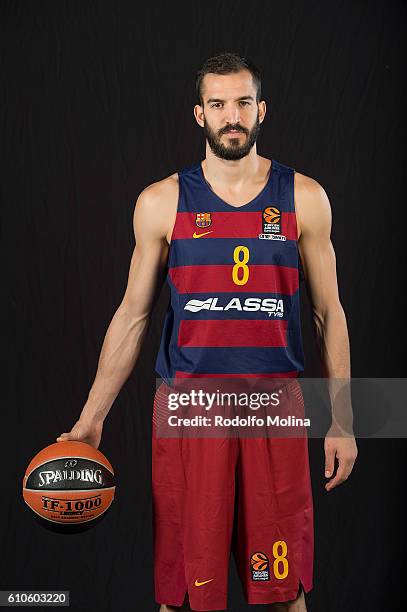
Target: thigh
[(193, 504), (273, 543)]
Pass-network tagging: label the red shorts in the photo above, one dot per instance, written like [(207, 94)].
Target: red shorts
[(214, 496)]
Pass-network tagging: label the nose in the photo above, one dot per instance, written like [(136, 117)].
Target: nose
[(232, 114)]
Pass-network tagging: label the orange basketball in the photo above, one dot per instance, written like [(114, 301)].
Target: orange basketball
[(69, 483)]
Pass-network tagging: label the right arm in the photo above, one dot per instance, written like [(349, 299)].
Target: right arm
[(126, 332)]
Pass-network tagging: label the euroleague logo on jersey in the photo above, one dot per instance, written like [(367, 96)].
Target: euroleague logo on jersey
[(271, 220), (273, 306)]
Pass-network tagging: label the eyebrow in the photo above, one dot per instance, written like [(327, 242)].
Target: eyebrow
[(238, 99)]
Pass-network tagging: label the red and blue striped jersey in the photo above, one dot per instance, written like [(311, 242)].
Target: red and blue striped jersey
[(233, 274)]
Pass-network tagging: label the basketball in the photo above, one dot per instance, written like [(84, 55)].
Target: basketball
[(69, 483)]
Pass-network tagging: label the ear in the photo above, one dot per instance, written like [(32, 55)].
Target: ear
[(262, 110), (199, 115)]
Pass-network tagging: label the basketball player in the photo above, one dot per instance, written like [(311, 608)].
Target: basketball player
[(233, 227)]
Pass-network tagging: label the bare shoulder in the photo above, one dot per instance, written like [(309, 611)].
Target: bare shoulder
[(156, 207), (312, 206), (161, 189)]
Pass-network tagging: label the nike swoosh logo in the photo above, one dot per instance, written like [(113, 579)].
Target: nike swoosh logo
[(195, 235), (204, 582)]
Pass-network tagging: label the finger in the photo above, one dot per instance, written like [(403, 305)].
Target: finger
[(329, 461), (348, 467), (66, 436), (341, 475)]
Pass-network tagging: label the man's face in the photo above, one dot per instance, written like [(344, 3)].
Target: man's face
[(231, 117)]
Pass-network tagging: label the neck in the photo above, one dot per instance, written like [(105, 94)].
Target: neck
[(226, 173)]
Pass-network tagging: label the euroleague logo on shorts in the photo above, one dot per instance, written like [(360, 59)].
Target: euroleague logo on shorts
[(259, 566)]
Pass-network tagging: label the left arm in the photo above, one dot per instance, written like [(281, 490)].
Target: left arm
[(314, 221)]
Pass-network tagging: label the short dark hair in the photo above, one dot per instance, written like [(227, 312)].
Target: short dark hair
[(227, 63)]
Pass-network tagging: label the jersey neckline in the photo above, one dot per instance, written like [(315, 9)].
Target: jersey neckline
[(231, 206)]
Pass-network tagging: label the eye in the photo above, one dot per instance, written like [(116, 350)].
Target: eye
[(215, 105), (244, 102)]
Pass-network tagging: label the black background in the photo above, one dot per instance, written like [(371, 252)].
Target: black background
[(96, 103)]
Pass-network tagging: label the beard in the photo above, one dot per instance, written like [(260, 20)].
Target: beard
[(233, 150)]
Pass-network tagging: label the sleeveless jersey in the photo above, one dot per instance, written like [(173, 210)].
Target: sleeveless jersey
[(233, 274)]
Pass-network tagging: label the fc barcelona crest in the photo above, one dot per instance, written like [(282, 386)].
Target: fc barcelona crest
[(203, 219)]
